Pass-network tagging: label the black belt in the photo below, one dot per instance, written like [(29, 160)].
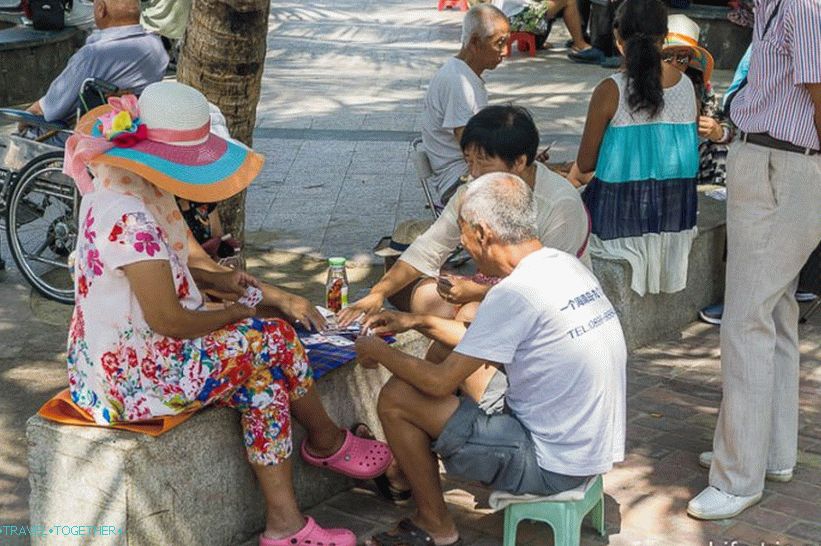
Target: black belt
[(763, 139)]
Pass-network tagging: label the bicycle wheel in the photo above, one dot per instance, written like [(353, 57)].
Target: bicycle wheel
[(41, 225)]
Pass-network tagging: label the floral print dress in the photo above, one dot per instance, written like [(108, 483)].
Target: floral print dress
[(120, 370)]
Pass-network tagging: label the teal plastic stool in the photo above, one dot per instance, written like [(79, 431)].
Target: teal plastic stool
[(565, 517)]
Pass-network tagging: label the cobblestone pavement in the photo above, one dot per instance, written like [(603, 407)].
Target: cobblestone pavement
[(340, 106)]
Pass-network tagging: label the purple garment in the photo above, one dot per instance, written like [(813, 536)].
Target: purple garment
[(775, 100), (125, 56)]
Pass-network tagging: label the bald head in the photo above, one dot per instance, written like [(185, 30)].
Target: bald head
[(116, 13), (481, 22)]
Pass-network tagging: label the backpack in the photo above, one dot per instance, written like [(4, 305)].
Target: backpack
[(47, 14)]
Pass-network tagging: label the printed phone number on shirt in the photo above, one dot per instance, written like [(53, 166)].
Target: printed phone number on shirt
[(594, 323)]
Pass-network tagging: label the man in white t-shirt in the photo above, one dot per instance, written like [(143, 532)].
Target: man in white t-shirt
[(457, 91), (550, 326)]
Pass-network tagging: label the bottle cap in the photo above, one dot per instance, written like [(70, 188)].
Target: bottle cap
[(337, 262)]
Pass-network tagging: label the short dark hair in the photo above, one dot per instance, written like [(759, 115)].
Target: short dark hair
[(503, 131)]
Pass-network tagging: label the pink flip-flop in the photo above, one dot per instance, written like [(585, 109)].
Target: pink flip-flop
[(358, 458), (313, 535)]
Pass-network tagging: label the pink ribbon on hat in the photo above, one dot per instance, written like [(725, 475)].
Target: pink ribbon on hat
[(119, 131)]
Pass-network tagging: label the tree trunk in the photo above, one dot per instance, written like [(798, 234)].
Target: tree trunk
[(223, 54)]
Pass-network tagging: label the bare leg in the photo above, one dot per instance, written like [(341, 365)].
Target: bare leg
[(324, 437), (425, 299), (572, 20), (411, 420), (282, 515)]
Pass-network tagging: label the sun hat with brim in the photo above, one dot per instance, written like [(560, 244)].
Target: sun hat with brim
[(403, 236), (683, 32), (164, 137)]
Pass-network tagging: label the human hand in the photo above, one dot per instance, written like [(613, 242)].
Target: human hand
[(544, 155), (299, 309), (710, 128), (366, 349), (578, 178), (368, 305), (460, 290), (232, 282), (388, 322)]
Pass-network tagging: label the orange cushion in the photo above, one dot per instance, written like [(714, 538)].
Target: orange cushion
[(62, 409)]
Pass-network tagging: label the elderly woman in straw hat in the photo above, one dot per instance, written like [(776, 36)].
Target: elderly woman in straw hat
[(682, 50), (141, 344)]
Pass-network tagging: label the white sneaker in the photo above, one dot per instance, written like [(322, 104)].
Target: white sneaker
[(712, 503), (705, 459)]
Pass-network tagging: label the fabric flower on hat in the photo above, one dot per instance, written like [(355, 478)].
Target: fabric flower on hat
[(122, 125)]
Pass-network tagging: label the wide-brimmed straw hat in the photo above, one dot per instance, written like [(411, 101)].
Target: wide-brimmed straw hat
[(683, 32), (403, 236), (164, 137)]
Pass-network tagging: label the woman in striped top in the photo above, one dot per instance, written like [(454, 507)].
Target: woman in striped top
[(641, 140)]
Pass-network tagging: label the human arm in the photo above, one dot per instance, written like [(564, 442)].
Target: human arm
[(446, 331), (815, 95), (423, 257), (461, 290), (433, 379), (396, 278), (153, 286), (291, 306), (603, 105)]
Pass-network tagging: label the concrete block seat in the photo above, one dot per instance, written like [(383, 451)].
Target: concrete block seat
[(30, 59), (192, 485), (725, 40), (656, 316)]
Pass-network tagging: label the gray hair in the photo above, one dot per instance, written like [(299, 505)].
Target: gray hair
[(504, 203), (480, 21)]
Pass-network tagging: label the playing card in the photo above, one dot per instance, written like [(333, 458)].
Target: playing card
[(252, 297)]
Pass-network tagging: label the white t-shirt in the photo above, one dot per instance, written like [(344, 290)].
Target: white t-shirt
[(561, 221), (562, 347), (454, 95)]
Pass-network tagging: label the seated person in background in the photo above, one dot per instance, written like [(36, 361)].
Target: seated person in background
[(681, 50), (537, 17), (499, 138), (119, 52), (551, 328), (456, 92)]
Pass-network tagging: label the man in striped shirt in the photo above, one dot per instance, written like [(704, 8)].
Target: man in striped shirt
[(773, 225)]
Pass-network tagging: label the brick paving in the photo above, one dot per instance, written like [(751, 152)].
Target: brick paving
[(673, 397)]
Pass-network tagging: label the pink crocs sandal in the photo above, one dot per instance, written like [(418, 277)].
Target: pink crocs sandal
[(312, 535), (358, 458)]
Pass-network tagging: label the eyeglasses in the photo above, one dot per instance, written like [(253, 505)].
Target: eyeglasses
[(677, 58)]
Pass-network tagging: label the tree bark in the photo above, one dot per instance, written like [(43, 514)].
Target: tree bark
[(222, 55)]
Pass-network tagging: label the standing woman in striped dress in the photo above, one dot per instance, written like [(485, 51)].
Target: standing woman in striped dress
[(640, 148)]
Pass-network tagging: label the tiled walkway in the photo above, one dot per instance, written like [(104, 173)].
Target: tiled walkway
[(673, 397)]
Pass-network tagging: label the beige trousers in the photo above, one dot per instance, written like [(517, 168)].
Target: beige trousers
[(773, 225)]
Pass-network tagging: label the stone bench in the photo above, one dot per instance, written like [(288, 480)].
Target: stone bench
[(192, 485), (30, 59), (658, 316)]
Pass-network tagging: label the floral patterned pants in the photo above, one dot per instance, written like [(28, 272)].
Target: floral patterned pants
[(259, 375)]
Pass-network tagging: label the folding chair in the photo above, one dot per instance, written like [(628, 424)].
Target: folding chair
[(424, 171)]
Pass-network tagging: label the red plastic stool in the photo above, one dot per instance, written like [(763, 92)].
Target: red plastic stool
[(525, 41), (461, 4)]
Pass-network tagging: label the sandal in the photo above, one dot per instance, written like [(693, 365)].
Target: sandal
[(312, 535), (358, 458), (407, 533), (383, 485)]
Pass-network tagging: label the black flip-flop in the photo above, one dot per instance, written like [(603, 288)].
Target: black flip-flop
[(407, 533), (383, 484)]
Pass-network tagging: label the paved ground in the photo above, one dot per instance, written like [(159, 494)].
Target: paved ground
[(341, 94)]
